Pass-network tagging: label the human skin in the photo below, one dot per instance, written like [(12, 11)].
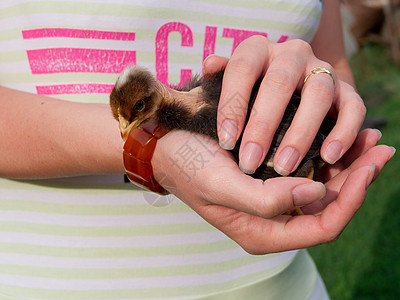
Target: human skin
[(46, 140), (283, 68), (43, 137)]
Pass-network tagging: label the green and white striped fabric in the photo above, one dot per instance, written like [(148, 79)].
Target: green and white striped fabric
[(97, 237)]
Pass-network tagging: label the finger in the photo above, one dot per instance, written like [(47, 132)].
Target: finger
[(265, 199), (218, 181), (259, 236), (275, 92), (351, 115), (241, 72), (378, 156), (214, 63), (307, 231), (338, 213), (365, 140), (316, 101), (273, 96)]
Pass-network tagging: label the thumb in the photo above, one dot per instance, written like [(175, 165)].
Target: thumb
[(234, 189), (213, 63)]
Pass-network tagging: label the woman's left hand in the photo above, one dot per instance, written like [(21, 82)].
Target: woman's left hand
[(249, 210)]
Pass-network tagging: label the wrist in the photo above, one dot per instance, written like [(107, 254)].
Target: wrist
[(137, 156)]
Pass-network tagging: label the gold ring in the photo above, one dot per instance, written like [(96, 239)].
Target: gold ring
[(319, 70)]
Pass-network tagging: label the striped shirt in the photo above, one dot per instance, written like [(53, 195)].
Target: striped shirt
[(96, 237)]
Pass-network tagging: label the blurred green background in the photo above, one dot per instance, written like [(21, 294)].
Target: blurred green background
[(365, 262)]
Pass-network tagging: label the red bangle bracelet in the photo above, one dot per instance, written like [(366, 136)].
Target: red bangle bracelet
[(138, 151)]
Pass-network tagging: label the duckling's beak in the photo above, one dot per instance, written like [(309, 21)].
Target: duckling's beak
[(125, 127)]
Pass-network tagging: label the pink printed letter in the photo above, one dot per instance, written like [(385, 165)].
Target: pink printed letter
[(162, 49), (209, 41), (239, 35)]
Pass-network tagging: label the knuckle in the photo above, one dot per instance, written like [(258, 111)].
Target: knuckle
[(258, 39), (253, 249), (279, 78), (268, 207), (322, 88), (243, 237), (330, 234), (300, 46), (326, 65), (333, 237), (243, 65), (258, 124), (360, 107), (234, 107), (259, 132)]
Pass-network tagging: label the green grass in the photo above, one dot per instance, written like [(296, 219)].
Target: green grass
[(365, 262)]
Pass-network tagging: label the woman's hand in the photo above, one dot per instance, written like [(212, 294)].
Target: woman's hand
[(283, 68), (249, 210)]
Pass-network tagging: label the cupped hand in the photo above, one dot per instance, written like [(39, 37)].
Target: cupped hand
[(283, 68), (249, 210)]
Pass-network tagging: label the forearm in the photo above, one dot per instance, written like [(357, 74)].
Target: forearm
[(45, 137), (328, 43)]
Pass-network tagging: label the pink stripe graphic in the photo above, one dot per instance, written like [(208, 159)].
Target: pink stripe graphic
[(82, 88), (56, 60), (77, 33)]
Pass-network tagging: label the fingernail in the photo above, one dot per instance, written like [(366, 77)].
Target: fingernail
[(371, 175), (204, 61), (378, 132), (393, 152), (250, 158), (286, 161), (227, 135), (308, 193), (333, 152)]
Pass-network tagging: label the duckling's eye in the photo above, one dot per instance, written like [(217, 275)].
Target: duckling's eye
[(139, 106)]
